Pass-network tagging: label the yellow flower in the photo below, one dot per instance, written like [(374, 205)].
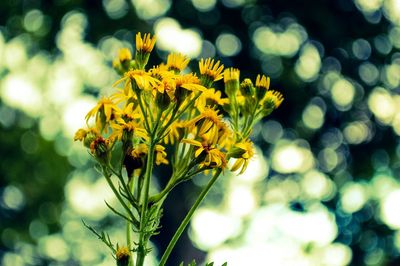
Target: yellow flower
[(102, 112), (262, 82), (119, 96), (262, 86), (161, 155), (122, 128), (273, 98), (225, 135), (243, 151), (142, 150), (190, 82), (130, 113), (177, 62), (231, 74), (80, 134), (209, 71), (167, 85), (145, 44), (87, 136), (142, 80), (207, 121), (213, 157), (139, 151), (161, 72), (124, 54), (210, 97), (175, 132)]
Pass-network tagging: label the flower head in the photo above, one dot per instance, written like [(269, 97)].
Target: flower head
[(140, 151), (273, 99), (175, 132), (210, 97), (103, 112), (190, 82), (207, 122), (139, 79), (161, 72), (262, 86), (124, 54), (80, 134), (243, 151), (161, 155), (145, 44), (177, 62), (210, 72), (123, 130), (207, 153)]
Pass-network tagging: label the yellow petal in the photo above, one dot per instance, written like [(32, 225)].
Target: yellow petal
[(198, 152), (192, 142), (237, 165)]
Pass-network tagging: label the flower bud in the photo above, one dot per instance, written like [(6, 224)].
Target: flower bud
[(122, 255), (89, 138), (124, 55), (162, 100), (144, 46), (247, 88), (231, 80), (99, 148)]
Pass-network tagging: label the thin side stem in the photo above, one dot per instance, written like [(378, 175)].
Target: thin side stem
[(129, 231), (188, 217), (141, 252), (121, 200), (142, 108)]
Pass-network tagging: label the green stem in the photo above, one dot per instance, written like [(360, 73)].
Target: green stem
[(249, 121), (141, 106), (157, 123), (141, 252), (120, 199), (188, 217), (175, 180), (128, 232), (176, 115), (127, 190)]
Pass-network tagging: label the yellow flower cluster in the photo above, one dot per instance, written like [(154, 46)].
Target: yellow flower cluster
[(166, 115), (185, 117)]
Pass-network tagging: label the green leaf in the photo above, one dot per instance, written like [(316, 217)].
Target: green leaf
[(104, 237)]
